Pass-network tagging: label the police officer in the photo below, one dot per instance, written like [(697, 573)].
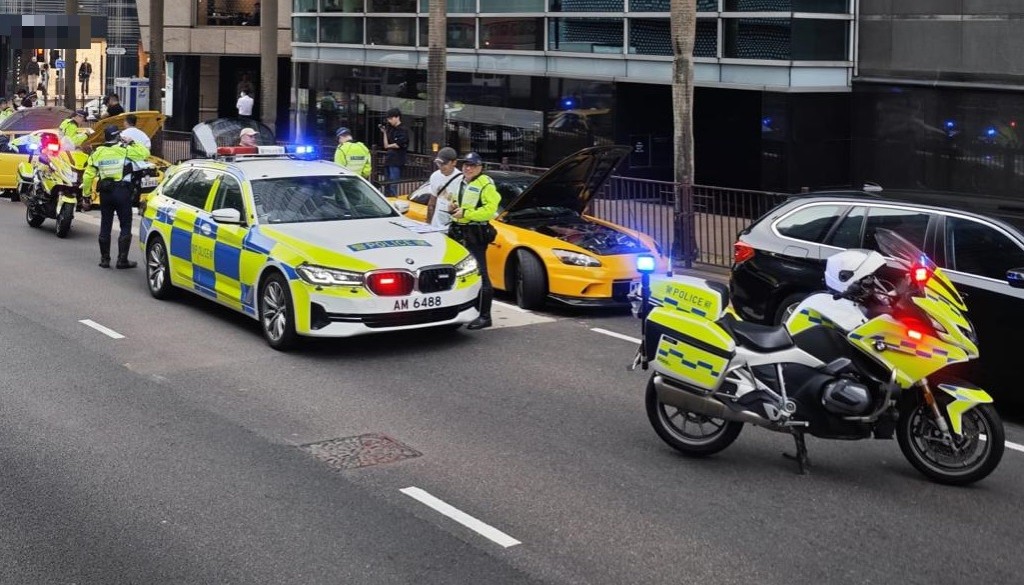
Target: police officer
[(5, 109), (72, 128), (476, 204), (352, 155), (112, 163)]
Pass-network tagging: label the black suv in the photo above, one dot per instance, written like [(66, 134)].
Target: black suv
[(780, 259)]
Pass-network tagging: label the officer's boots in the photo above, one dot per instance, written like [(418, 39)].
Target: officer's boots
[(123, 245), (104, 252), (484, 320)]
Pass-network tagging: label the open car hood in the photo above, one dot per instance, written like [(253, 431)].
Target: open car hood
[(208, 135), (574, 181), (38, 118), (149, 122)]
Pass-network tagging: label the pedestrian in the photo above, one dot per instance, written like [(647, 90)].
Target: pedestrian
[(132, 134), (444, 188), (84, 73), (71, 128), (396, 143), (244, 104), (247, 137), (41, 89), (109, 162), (6, 110), (44, 82), (474, 207), (114, 106), (351, 154), (19, 96)]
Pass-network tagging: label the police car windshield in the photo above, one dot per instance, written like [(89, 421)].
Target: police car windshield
[(317, 198)]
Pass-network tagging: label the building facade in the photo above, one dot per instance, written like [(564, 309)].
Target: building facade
[(212, 49), (533, 80)]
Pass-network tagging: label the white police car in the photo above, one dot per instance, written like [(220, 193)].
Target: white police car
[(304, 246)]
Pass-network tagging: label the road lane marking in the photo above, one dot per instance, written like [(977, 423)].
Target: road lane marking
[(485, 530), (104, 330), (615, 335), (511, 306), (1015, 446)]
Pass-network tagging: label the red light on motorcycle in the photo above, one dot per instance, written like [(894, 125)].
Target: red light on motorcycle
[(50, 143), (390, 284), (920, 274), (915, 334), (741, 252)]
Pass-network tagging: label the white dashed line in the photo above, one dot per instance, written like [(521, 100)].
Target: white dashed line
[(461, 517), (1015, 446), (513, 307), (104, 330), (616, 335)]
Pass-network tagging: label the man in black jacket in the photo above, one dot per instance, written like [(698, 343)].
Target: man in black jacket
[(396, 143)]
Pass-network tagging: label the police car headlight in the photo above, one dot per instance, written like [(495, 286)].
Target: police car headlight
[(575, 258), (323, 276), (466, 266)]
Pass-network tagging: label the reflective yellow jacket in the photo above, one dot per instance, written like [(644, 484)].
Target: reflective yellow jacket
[(355, 157), (479, 200), (108, 162)]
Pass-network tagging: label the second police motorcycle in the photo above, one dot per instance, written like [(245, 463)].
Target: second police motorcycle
[(868, 358)]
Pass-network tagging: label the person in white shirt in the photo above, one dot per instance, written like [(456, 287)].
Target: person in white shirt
[(133, 133), (244, 104), (444, 188)]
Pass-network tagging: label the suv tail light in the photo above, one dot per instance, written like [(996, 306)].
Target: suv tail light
[(741, 252)]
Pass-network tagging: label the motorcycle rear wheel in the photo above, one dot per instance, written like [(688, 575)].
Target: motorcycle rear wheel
[(33, 219), (970, 458), (64, 217), (689, 433)]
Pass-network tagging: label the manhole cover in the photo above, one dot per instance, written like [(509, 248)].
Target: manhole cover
[(360, 451)]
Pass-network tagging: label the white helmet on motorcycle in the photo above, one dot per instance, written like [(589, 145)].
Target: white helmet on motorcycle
[(845, 268)]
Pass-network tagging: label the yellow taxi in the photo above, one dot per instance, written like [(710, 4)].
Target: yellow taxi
[(547, 248)]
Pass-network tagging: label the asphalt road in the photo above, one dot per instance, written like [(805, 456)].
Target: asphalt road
[(174, 448)]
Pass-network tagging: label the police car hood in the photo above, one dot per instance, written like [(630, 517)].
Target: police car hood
[(383, 242)]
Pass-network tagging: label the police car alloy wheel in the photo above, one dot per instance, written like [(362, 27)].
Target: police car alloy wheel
[(157, 270), (276, 315)]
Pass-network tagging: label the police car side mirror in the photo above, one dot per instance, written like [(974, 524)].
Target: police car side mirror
[(227, 215), (401, 206)]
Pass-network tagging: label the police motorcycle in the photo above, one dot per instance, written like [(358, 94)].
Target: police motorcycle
[(865, 359), (52, 186)]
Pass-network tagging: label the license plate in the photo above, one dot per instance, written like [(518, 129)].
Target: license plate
[(149, 182), (418, 303)]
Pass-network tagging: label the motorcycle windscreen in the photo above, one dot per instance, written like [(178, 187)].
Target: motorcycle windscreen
[(688, 348), (896, 246)]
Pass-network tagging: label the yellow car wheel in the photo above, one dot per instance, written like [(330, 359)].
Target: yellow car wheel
[(531, 281)]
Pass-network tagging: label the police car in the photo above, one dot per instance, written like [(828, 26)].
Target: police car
[(304, 246)]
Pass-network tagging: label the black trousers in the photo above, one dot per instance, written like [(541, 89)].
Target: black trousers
[(116, 199), (486, 290)]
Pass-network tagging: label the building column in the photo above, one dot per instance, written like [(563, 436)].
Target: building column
[(268, 63)]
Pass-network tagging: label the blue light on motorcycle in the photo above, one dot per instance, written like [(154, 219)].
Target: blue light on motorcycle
[(645, 264), (33, 146)]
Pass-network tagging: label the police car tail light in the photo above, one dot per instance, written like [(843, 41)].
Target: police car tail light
[(390, 284), (322, 276)]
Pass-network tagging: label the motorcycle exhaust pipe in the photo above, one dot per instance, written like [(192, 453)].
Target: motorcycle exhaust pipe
[(697, 404)]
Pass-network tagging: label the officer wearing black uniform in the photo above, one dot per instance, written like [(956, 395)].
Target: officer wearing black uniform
[(112, 163)]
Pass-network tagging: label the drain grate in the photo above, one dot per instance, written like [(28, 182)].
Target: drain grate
[(360, 451)]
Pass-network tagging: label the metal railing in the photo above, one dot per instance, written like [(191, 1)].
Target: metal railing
[(177, 146)]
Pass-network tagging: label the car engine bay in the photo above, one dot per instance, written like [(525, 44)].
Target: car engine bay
[(579, 231)]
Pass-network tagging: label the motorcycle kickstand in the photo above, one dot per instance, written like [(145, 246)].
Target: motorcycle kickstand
[(803, 462)]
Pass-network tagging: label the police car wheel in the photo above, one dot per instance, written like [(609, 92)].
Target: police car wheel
[(277, 317), (158, 272)]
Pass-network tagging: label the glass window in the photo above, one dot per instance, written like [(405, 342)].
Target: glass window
[(826, 6), (302, 5), (821, 40), (585, 35), (706, 44), (317, 198), (756, 38), (453, 6), (650, 36), (195, 190), (391, 31), (342, 6), (174, 184), (304, 29), (981, 250), (810, 223), (391, 6), (757, 6), (461, 33), (847, 234), (517, 34), (663, 5), (512, 5), (341, 29), (586, 5), (229, 196), (907, 223)]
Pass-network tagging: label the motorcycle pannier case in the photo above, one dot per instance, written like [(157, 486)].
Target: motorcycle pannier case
[(688, 348), (690, 295)]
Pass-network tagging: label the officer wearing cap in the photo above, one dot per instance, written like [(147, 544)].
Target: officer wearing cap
[(5, 109), (247, 137), (112, 163), (475, 206), (351, 154), (72, 128)]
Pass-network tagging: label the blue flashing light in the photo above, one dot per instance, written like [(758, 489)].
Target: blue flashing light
[(33, 146), (568, 103), (645, 264), (301, 150), (766, 121), (950, 124), (990, 132)]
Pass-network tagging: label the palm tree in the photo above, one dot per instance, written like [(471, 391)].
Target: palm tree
[(683, 22), (70, 75), (156, 65), (437, 70)]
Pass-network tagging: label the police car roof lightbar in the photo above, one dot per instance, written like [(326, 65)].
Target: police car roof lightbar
[(265, 151)]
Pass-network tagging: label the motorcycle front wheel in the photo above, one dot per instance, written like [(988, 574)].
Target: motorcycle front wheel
[(689, 433), (970, 456), (64, 217)]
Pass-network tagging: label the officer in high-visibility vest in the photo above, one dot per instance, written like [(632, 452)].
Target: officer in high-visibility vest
[(5, 109), (71, 128), (473, 209), (352, 155), (111, 162)]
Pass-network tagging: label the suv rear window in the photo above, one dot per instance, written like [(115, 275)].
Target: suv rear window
[(809, 223)]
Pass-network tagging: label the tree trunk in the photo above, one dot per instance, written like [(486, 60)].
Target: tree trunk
[(156, 65), (268, 63), (70, 67), (437, 70), (683, 22)]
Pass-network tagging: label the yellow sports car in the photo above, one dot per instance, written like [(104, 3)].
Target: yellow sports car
[(546, 247)]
